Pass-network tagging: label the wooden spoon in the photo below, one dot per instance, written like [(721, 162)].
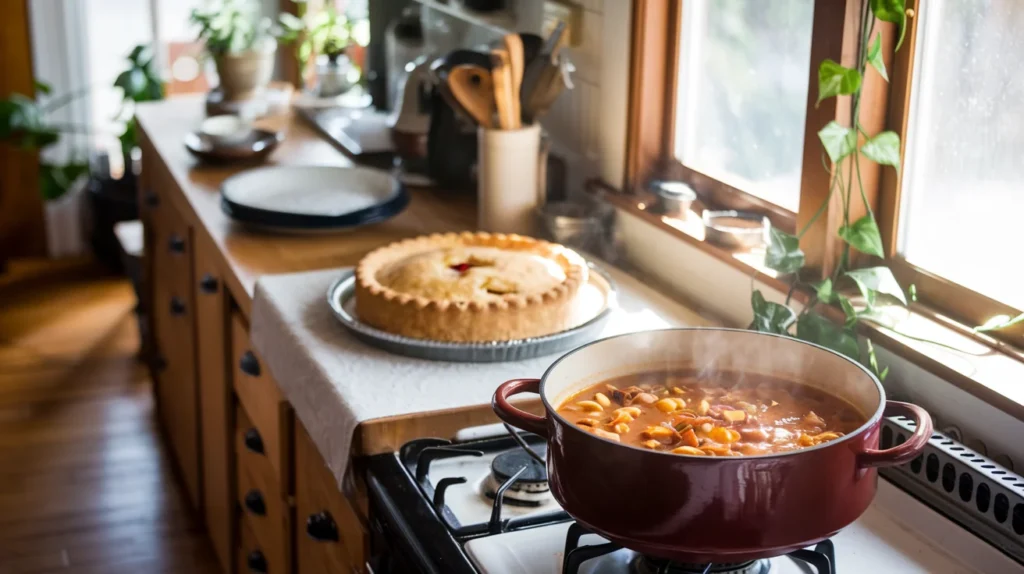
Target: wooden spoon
[(501, 73), (473, 87)]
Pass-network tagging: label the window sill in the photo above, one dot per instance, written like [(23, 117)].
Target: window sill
[(978, 365)]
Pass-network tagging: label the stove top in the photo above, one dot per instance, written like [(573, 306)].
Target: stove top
[(482, 506)]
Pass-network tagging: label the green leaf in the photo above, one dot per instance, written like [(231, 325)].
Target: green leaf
[(43, 87), (824, 290), (875, 57), (875, 280), (999, 322), (836, 80), (848, 310), (912, 291), (783, 253), (838, 141), (770, 317), (894, 11), (814, 328), (883, 149), (863, 235), (291, 22)]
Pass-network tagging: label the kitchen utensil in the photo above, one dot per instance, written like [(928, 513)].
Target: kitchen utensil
[(501, 74), (712, 509), (532, 45), (736, 229), (473, 88), (673, 197), (580, 225), (303, 199), (507, 179), (545, 57), (255, 148), (548, 87), (514, 47), (596, 302)]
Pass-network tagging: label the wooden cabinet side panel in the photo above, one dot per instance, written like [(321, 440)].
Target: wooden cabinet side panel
[(215, 402)]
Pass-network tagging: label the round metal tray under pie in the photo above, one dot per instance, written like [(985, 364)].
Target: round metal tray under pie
[(595, 303)]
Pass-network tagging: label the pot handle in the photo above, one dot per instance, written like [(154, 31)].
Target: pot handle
[(516, 417), (905, 452)]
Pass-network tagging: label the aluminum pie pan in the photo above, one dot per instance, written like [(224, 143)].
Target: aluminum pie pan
[(341, 298)]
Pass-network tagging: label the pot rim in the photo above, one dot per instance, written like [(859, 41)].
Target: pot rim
[(872, 420)]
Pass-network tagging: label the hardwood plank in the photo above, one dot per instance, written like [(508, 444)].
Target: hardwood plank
[(85, 484)]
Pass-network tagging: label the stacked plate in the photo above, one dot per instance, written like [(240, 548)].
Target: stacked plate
[(312, 199)]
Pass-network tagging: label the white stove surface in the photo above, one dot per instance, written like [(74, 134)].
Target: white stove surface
[(466, 500), (897, 535)]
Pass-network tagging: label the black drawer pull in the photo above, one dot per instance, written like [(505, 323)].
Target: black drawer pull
[(208, 284), (249, 364), (321, 526), (253, 441), (151, 199), (254, 503), (256, 562), (177, 306), (176, 244)]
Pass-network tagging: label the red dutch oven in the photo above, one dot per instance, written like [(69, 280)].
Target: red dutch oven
[(712, 509)]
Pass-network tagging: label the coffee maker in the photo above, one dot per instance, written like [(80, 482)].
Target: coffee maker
[(452, 137)]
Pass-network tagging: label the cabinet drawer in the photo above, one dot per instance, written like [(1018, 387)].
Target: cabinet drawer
[(260, 398), (251, 453), (251, 558), (265, 513), (329, 536)]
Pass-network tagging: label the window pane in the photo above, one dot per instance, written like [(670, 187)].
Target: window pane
[(742, 94), (964, 180)]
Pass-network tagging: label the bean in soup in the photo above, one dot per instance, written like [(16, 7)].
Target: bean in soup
[(675, 412)]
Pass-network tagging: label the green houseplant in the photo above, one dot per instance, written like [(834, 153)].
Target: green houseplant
[(139, 83), (326, 32), (241, 44), (845, 147)]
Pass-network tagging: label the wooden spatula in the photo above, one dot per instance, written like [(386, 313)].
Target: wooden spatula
[(516, 60), (501, 74), (473, 88)]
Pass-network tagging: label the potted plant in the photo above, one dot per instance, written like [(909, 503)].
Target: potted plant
[(24, 123), (241, 44), (326, 34)]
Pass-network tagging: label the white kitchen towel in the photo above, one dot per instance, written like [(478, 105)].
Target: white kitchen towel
[(334, 381)]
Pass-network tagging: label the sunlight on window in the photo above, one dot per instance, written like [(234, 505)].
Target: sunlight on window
[(964, 181), (742, 93)]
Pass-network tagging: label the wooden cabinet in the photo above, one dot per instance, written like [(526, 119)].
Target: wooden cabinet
[(329, 536), (251, 558), (215, 400), (172, 309)]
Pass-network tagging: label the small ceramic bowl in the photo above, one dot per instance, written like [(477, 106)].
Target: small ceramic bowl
[(736, 229), (226, 130)]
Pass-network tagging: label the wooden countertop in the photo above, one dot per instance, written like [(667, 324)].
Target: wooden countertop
[(245, 254)]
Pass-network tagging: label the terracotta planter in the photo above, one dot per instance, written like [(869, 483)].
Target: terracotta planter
[(712, 509), (246, 74)]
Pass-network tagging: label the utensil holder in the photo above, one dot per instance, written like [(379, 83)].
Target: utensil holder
[(507, 184)]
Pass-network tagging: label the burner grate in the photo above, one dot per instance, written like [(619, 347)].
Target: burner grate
[(963, 484), (822, 558)]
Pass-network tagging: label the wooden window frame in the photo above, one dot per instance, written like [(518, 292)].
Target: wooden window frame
[(836, 34)]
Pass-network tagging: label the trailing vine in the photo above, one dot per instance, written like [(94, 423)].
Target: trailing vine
[(844, 147)]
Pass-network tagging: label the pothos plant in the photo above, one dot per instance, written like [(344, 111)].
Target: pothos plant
[(845, 147)]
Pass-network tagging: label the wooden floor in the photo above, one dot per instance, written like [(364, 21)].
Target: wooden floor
[(85, 484)]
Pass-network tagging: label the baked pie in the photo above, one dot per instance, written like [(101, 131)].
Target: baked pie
[(469, 287)]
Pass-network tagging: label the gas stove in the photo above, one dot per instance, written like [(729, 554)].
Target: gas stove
[(479, 504)]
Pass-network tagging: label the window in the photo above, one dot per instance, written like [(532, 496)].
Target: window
[(742, 94), (737, 80), (963, 191)]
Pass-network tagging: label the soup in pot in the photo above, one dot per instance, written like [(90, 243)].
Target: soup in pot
[(677, 412)]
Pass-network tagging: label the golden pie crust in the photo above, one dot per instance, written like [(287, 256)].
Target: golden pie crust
[(466, 287)]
